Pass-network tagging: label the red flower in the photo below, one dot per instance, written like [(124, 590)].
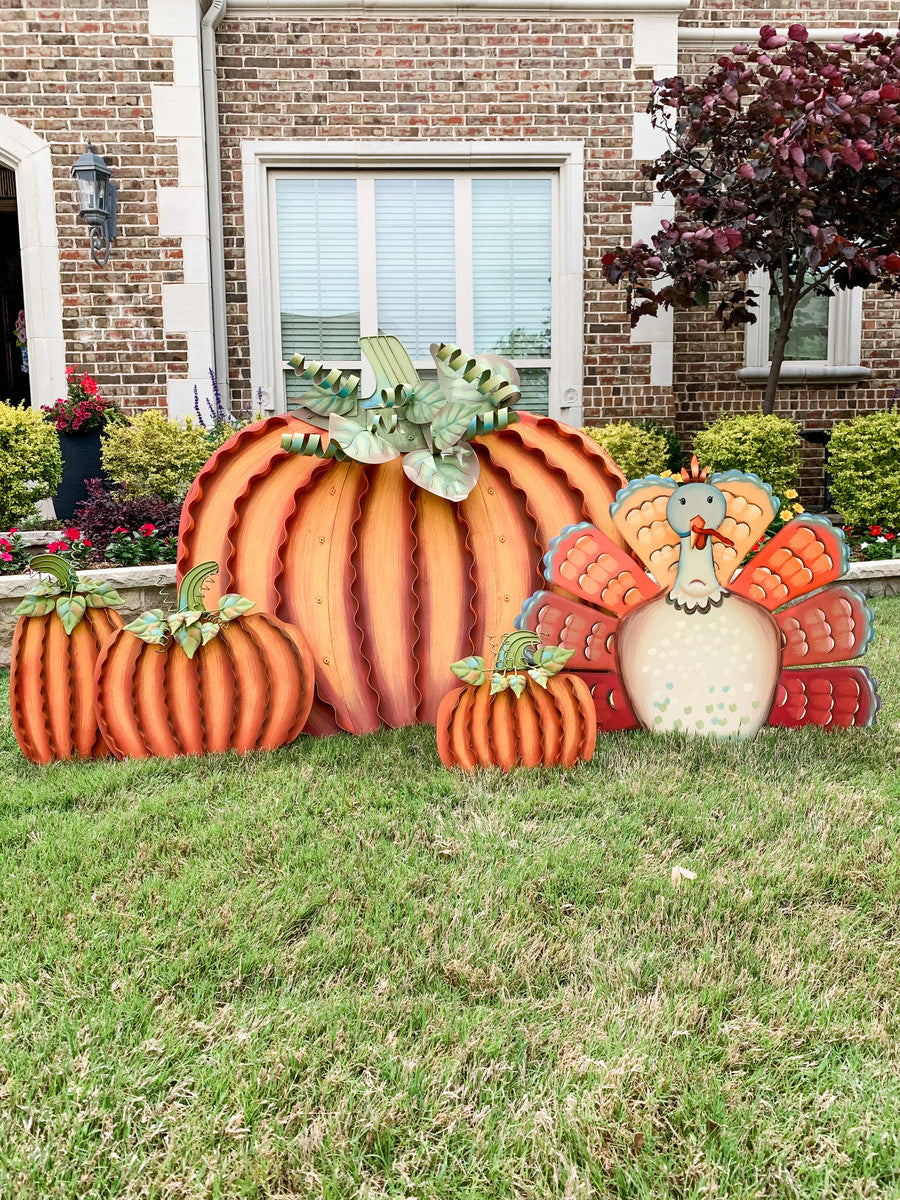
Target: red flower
[(875, 530), (147, 529), (87, 542), (119, 529), (12, 529), (73, 534), (890, 537)]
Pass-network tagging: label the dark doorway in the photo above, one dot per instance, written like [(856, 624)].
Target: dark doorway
[(14, 382)]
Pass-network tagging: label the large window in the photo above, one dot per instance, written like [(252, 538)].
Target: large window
[(427, 256)]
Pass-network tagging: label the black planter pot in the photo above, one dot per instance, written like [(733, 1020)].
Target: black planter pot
[(80, 462)]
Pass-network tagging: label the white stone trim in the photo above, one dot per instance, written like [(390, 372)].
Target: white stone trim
[(715, 36), (29, 156), (297, 10), (655, 45), (844, 341), (566, 158), (183, 209)]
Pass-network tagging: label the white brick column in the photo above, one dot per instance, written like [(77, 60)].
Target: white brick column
[(656, 46), (183, 210)]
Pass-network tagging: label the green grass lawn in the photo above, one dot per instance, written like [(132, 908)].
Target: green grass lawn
[(340, 971)]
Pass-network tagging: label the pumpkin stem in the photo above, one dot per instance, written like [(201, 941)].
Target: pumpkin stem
[(190, 590), (512, 653), (56, 565)]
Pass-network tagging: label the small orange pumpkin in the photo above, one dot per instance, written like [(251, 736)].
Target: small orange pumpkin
[(525, 715), (198, 682), (61, 629)]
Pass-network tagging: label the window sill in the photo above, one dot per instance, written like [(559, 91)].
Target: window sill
[(797, 372)]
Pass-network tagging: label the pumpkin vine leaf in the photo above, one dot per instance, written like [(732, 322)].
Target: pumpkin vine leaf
[(428, 422), (65, 592)]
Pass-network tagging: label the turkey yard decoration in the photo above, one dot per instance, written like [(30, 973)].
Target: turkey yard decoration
[(401, 532), (708, 645)]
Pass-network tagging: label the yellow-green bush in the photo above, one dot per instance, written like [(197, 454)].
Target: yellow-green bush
[(30, 462), (637, 449), (153, 456), (767, 446), (864, 461)]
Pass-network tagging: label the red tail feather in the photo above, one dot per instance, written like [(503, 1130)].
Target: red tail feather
[(834, 697)]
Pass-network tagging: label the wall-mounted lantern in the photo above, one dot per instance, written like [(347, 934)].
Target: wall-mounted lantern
[(97, 202)]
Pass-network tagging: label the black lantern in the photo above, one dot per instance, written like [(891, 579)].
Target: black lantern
[(97, 202)]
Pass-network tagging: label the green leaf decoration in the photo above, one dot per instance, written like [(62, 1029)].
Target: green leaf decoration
[(389, 360), (451, 423), (233, 605), (551, 659), (515, 650), (183, 619), (451, 474), (209, 630), (331, 391), (151, 627), (311, 445), (425, 402), (499, 683), (44, 589), (32, 605), (470, 670), (189, 638), (357, 440), (468, 378), (540, 675), (517, 684), (101, 595), (70, 610), (493, 421)]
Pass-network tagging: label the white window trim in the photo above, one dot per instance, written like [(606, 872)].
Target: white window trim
[(565, 158), (844, 341)]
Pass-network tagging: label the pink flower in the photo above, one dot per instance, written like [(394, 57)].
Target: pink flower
[(119, 529), (12, 529), (147, 529), (6, 556)]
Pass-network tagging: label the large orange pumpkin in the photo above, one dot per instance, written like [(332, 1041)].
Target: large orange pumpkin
[(54, 652), (249, 687), (388, 582)]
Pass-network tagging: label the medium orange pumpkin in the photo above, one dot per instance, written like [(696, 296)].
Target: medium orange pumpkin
[(55, 647), (248, 687), (389, 582), (523, 714)]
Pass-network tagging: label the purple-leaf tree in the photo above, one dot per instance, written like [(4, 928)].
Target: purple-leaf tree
[(786, 159)]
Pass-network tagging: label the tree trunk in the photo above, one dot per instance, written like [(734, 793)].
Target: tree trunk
[(788, 303)]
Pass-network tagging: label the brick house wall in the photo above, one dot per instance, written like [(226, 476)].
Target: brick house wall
[(74, 72)]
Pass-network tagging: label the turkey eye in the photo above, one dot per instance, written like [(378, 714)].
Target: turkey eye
[(709, 499), (682, 500)]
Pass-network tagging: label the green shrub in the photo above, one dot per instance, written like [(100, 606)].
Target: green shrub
[(153, 456), (864, 461), (638, 449), (767, 446), (30, 462)]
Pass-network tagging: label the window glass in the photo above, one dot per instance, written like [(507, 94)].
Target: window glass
[(808, 340), (318, 277), (415, 255), (511, 257)]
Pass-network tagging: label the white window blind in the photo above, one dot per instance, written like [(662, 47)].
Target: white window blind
[(464, 258), (318, 273)]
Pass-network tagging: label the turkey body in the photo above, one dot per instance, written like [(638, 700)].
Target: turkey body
[(709, 670)]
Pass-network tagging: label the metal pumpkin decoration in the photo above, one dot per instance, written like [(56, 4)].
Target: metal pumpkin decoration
[(200, 680), (524, 714), (62, 626), (398, 532)]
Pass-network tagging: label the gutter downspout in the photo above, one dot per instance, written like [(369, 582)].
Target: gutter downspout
[(210, 101)]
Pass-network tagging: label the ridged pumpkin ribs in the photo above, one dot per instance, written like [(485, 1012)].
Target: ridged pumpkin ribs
[(387, 582)]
